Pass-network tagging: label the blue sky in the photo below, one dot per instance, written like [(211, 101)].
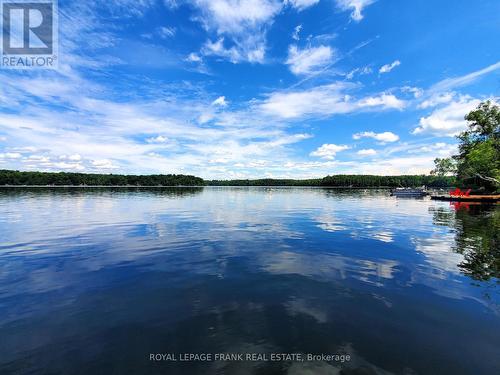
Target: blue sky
[(253, 88)]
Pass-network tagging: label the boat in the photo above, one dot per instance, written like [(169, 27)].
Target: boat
[(409, 193), (467, 198)]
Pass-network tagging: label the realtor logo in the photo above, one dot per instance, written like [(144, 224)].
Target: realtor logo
[(29, 34)]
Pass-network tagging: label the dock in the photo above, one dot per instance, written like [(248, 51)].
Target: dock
[(470, 198)]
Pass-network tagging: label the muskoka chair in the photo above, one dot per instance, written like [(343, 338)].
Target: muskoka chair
[(459, 193)]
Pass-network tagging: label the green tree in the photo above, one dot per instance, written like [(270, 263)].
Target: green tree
[(478, 161), (444, 167)]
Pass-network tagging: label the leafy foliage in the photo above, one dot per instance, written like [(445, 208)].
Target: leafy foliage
[(444, 167), (478, 161)]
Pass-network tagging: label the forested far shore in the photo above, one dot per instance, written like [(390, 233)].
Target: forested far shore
[(355, 181), (17, 178)]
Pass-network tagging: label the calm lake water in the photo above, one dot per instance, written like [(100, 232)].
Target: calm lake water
[(94, 281)]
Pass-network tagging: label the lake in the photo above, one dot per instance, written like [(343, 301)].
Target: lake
[(131, 281)]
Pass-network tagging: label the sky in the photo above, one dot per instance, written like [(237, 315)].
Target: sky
[(227, 89)]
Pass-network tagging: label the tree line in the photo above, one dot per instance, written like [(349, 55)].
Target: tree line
[(356, 181), (8, 177), (17, 178)]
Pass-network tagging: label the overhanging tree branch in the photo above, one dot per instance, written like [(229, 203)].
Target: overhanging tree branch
[(490, 179)]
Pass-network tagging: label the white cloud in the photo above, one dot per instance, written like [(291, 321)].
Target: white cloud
[(206, 117), (383, 101), (413, 165), (325, 100), (220, 101), (217, 48), (361, 71), (328, 99), (23, 149), (3, 139), (436, 99), (296, 32), (257, 54), (166, 32), (245, 22), (329, 151), (416, 91), (421, 147), (194, 57), (158, 139), (441, 149), (103, 164), (367, 152), (253, 54), (409, 165), (37, 158), (356, 6), (309, 60), (385, 137), (449, 120), (65, 166), (388, 67), (301, 4), (451, 83), (74, 157), (237, 16), (11, 155)]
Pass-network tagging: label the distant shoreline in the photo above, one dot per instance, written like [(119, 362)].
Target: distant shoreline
[(195, 187), (98, 186), (14, 179)]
